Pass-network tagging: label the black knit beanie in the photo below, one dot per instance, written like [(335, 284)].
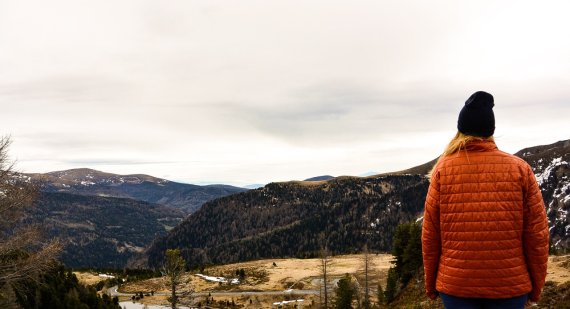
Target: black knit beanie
[(476, 117)]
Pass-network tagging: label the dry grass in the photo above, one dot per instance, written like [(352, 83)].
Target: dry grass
[(304, 271), (262, 275), (298, 274), (157, 285), (558, 269), (88, 278), (315, 183)]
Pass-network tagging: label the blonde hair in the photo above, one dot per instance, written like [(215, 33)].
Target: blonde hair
[(458, 142)]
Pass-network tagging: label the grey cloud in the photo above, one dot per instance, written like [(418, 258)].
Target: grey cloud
[(70, 89), (119, 162), (336, 113), (79, 142)]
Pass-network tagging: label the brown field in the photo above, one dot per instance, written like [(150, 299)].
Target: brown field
[(558, 269), (88, 278), (296, 274), (262, 276)]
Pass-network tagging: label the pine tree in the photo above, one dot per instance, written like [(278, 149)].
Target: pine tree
[(391, 285), (412, 255), (59, 288), (380, 294), (401, 238), (345, 293), (366, 260), (407, 251)]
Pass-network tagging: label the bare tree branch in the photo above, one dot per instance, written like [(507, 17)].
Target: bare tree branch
[(24, 254)]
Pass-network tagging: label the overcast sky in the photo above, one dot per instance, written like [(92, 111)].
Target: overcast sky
[(243, 92)]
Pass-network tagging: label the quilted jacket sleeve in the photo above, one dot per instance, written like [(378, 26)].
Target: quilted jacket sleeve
[(535, 235), (431, 239)]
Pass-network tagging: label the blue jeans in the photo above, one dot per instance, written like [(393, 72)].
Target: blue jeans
[(454, 302)]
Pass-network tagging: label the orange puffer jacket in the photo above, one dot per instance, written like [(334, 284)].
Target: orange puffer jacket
[(485, 232)]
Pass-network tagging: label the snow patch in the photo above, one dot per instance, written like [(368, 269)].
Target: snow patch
[(541, 178), (133, 305), (285, 302), (218, 279)]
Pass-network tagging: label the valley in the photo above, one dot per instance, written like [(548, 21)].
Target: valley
[(110, 220), (269, 239)]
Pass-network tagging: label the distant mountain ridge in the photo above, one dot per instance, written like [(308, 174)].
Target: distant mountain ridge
[(298, 218), (140, 187), (87, 177), (105, 218), (320, 178)]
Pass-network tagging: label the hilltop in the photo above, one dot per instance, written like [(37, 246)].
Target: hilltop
[(89, 182)]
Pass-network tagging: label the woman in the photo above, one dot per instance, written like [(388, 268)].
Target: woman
[(485, 232)]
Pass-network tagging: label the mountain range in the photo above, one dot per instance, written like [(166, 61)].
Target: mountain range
[(88, 182), (109, 220), (298, 219), (104, 219)]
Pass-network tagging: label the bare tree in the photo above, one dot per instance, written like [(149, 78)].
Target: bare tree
[(366, 262), (174, 268), (23, 253), (325, 263), (356, 289)]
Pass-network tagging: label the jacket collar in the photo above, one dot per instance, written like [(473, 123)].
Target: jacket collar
[(481, 145)]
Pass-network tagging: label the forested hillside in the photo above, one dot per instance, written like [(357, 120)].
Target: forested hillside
[(297, 219), (103, 219), (101, 231)]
